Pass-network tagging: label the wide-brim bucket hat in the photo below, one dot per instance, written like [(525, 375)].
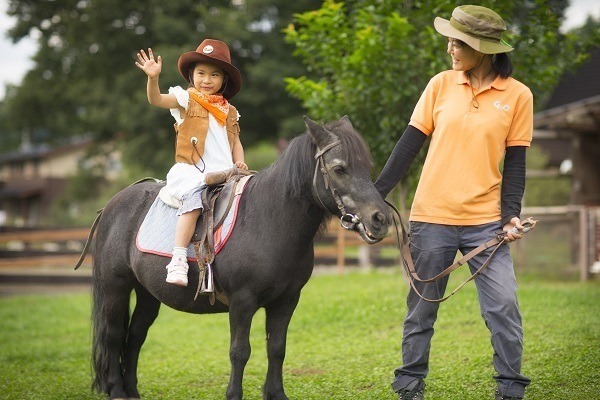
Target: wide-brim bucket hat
[(479, 27), (215, 52)]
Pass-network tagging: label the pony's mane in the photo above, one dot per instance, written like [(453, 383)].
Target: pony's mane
[(296, 165)]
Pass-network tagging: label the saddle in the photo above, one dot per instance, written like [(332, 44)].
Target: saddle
[(217, 200)]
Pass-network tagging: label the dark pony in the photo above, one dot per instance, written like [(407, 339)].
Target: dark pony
[(266, 262)]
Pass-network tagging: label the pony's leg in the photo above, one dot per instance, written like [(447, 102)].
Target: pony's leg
[(241, 311), (278, 316), (144, 315), (116, 313)]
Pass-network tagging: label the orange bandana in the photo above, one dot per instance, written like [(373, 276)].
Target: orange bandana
[(216, 104)]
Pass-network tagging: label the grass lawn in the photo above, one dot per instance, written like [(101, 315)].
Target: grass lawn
[(343, 343)]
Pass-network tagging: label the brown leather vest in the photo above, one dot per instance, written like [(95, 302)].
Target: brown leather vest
[(191, 134)]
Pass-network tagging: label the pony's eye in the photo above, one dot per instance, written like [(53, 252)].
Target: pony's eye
[(338, 169)]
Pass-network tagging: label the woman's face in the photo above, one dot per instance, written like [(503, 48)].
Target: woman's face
[(208, 78), (464, 57)]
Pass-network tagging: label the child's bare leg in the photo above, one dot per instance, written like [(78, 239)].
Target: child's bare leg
[(186, 224), (178, 267)]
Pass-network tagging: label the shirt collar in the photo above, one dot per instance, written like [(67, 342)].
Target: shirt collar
[(499, 83)]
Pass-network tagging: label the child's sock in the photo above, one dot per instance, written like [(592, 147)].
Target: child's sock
[(180, 252)]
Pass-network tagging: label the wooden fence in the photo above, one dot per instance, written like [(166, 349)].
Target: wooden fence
[(337, 247), (21, 248), (61, 247), (340, 247)]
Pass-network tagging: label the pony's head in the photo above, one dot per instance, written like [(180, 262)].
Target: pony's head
[(341, 180)]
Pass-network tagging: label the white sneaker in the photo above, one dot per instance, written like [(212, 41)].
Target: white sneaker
[(177, 271)]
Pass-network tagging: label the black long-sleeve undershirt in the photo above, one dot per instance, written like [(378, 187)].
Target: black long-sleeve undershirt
[(404, 153), (513, 182)]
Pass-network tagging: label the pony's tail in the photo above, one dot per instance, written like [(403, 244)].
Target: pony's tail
[(99, 353), (100, 345)]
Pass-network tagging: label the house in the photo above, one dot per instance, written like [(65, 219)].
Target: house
[(32, 177), (571, 119)]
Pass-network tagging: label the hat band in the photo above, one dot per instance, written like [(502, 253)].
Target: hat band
[(465, 29)]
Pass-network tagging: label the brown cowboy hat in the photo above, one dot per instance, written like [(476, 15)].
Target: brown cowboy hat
[(479, 27), (217, 53)]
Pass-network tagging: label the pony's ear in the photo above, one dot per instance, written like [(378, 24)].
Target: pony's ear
[(345, 120), (318, 133)]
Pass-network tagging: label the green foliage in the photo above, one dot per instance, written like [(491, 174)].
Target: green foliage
[(84, 79), (85, 195), (367, 69), (372, 59), (260, 156), (545, 191), (366, 59), (589, 33), (343, 344), (78, 202)]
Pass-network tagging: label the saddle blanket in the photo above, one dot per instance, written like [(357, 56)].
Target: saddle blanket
[(157, 233)]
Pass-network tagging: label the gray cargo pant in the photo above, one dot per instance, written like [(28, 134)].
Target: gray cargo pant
[(433, 248)]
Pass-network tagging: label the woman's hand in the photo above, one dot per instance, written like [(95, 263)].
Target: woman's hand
[(511, 229), (241, 165), (147, 63)]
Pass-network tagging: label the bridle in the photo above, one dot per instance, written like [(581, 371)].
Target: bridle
[(348, 221)]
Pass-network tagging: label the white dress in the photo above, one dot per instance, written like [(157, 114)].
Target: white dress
[(182, 177)]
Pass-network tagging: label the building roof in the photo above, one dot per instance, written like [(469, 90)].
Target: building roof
[(581, 83), (575, 103), (43, 151), (21, 189)]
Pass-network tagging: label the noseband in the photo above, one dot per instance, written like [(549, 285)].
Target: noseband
[(347, 220)]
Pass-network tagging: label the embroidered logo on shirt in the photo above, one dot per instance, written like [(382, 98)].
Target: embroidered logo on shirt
[(500, 106)]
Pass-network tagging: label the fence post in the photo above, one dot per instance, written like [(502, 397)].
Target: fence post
[(341, 248), (364, 257), (583, 244)]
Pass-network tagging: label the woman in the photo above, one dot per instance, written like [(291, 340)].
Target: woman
[(476, 116)]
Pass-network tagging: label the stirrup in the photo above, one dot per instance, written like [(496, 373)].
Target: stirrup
[(208, 285)]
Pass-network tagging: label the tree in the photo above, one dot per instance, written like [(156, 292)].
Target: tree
[(84, 79), (371, 59)]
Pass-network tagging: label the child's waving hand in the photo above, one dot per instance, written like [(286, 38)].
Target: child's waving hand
[(147, 63)]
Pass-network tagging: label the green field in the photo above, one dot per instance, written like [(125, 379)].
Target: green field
[(344, 343)]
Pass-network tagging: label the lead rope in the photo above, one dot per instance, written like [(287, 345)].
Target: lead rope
[(409, 268)]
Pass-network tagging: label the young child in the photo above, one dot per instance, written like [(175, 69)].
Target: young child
[(207, 133)]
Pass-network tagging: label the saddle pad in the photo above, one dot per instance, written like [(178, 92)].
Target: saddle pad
[(157, 232)]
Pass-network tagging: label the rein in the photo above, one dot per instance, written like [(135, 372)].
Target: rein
[(403, 242), (347, 220)]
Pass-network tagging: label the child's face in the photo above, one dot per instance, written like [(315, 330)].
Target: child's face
[(208, 78)]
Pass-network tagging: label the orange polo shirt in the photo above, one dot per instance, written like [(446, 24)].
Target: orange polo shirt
[(460, 182)]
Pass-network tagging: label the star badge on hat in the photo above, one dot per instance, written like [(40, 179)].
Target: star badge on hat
[(208, 49)]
